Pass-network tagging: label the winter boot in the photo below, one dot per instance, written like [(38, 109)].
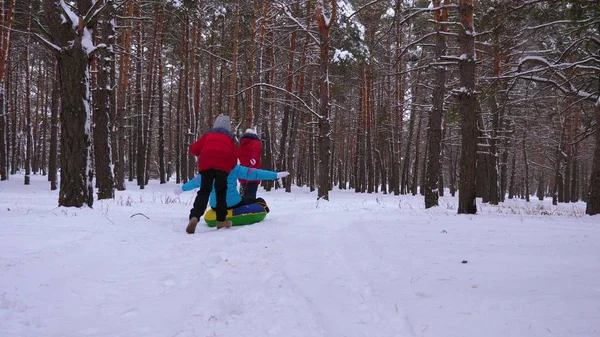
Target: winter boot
[(263, 203), (224, 224), (191, 227)]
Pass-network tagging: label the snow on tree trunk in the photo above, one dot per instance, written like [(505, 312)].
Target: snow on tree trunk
[(70, 28)]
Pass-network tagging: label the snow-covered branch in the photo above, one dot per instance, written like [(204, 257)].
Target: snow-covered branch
[(47, 43), (363, 7), (558, 22), (95, 11), (68, 14), (425, 10), (285, 9), (285, 91)]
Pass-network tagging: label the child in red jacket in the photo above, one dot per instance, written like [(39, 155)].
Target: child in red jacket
[(216, 150), (249, 156)]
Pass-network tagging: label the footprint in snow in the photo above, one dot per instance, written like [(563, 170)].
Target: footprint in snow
[(130, 313)]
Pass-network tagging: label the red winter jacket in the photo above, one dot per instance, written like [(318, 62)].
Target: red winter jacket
[(216, 150), (249, 153)]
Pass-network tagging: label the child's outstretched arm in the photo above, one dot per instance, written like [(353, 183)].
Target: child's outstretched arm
[(257, 174), (189, 185)]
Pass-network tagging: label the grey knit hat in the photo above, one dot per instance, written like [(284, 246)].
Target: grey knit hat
[(223, 122)]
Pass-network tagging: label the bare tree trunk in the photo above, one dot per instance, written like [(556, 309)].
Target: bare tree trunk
[(541, 186), (593, 201), (120, 124), (139, 113), (324, 104), (161, 124), (467, 98), (399, 79), (575, 175), (155, 50), (3, 135), (526, 178), (236, 38), (434, 134), (285, 122), (5, 42), (104, 108), (406, 159), (368, 123), (12, 100), (52, 165), (73, 64), (415, 170), (44, 111), (300, 85), (28, 112)]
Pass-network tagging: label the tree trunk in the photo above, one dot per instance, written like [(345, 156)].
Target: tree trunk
[(434, 134), (3, 133), (285, 122), (104, 106), (28, 112), (368, 123), (541, 186), (511, 188), (236, 38), (73, 65), (53, 156), (526, 178), (161, 124), (593, 201), (44, 141), (415, 170), (139, 113), (120, 124), (5, 42), (324, 104), (575, 175), (467, 98)]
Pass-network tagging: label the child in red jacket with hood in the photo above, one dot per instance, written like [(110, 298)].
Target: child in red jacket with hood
[(249, 156), (217, 156)]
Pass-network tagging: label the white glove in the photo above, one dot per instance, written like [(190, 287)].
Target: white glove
[(178, 191), (282, 174)]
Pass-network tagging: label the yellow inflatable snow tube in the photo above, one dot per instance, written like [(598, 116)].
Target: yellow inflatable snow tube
[(239, 216)]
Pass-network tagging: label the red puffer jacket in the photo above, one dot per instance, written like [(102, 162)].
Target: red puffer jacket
[(249, 153), (216, 150)]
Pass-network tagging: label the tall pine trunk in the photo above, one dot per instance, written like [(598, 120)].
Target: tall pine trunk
[(434, 134), (323, 121), (467, 98), (74, 69), (104, 106), (53, 155)]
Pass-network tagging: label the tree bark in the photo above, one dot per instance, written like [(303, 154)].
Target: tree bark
[(139, 112), (53, 156), (593, 201), (104, 108), (120, 124), (28, 112), (74, 69), (434, 134), (5, 42), (323, 121), (161, 124), (466, 98)]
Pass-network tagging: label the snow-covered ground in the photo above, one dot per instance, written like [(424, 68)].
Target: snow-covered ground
[(360, 265)]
